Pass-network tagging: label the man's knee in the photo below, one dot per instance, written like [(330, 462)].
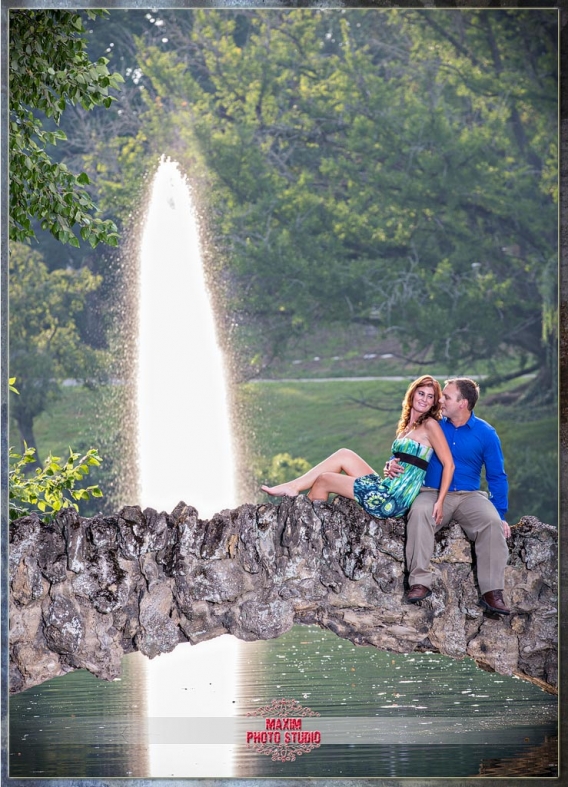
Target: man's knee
[(478, 515)]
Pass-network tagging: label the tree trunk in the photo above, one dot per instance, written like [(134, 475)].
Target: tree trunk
[(83, 592)]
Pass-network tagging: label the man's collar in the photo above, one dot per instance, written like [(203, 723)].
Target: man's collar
[(469, 422)]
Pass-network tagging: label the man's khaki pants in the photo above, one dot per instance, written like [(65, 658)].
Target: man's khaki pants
[(477, 517)]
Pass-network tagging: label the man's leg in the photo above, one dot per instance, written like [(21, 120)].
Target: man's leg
[(480, 521), (420, 529)]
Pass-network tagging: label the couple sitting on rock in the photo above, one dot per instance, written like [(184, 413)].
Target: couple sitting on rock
[(433, 477)]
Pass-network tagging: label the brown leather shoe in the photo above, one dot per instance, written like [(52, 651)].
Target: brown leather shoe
[(493, 601), (417, 593)]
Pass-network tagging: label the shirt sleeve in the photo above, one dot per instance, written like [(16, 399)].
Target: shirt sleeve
[(495, 473)]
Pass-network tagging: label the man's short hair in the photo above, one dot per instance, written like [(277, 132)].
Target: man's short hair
[(468, 389)]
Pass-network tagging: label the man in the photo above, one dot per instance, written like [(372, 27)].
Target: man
[(474, 443)]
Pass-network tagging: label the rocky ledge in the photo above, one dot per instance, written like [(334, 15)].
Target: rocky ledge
[(84, 592)]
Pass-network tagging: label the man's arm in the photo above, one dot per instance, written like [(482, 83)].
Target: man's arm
[(495, 473)]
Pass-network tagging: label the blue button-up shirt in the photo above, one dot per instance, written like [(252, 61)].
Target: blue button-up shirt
[(473, 445)]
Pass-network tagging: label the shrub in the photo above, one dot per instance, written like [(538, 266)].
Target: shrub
[(281, 468)]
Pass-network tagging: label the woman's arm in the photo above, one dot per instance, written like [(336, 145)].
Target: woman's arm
[(442, 449)]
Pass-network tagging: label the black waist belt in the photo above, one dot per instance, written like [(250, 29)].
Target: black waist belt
[(411, 459)]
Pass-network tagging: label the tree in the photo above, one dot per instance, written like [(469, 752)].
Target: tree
[(392, 168), (44, 344), (49, 69), (396, 169)]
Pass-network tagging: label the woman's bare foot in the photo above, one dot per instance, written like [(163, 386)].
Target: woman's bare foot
[(281, 490)]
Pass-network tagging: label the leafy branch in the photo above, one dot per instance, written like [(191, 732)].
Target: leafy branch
[(50, 69), (51, 487)]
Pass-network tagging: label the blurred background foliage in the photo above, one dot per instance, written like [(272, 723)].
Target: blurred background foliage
[(378, 196)]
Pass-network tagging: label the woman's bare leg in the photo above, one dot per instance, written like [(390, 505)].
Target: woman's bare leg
[(328, 483), (342, 461)]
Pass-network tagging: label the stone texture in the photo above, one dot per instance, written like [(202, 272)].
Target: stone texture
[(84, 592)]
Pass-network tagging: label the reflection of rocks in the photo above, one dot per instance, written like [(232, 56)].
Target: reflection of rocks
[(536, 761), (86, 591)]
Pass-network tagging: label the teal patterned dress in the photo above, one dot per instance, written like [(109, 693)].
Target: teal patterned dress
[(392, 497)]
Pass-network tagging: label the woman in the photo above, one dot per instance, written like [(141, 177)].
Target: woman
[(418, 435)]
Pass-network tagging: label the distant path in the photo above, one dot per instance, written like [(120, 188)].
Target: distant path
[(396, 379)]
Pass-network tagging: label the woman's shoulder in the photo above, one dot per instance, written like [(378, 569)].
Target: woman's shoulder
[(432, 425)]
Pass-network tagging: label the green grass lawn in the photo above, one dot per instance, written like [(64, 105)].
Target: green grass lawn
[(314, 419), (70, 421)]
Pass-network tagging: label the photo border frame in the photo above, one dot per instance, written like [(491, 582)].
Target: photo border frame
[(434, 5)]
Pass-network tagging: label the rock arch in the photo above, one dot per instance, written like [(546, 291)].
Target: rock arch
[(84, 592)]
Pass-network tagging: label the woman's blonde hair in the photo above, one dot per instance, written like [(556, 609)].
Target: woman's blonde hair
[(426, 381)]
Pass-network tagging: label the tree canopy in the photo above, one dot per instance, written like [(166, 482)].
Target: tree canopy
[(395, 167), (49, 69), (392, 167)]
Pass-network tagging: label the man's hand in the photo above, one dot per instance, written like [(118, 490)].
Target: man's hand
[(506, 529), (393, 468), (438, 512)]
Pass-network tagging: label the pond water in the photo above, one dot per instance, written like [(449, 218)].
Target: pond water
[(382, 714)]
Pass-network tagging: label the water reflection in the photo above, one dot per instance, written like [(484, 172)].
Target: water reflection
[(435, 717), (194, 682), (71, 701), (471, 717)]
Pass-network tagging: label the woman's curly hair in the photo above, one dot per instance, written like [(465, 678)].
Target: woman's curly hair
[(426, 381)]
